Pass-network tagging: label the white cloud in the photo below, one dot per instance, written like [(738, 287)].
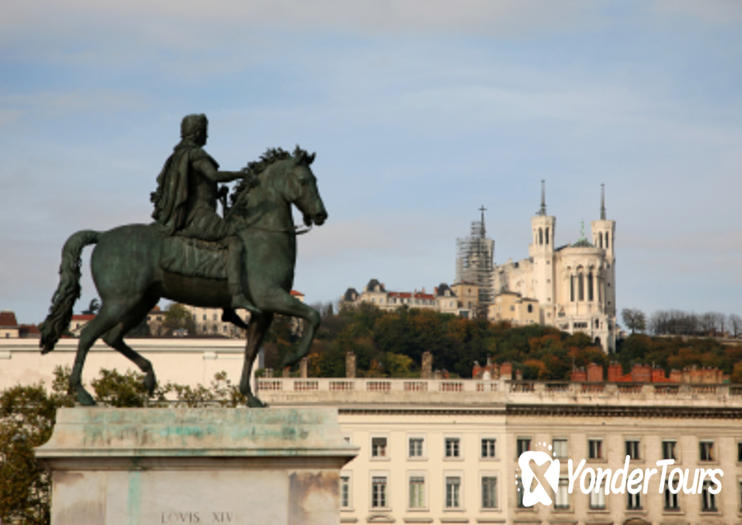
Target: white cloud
[(179, 22)]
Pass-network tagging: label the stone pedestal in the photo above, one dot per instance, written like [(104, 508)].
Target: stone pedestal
[(163, 466)]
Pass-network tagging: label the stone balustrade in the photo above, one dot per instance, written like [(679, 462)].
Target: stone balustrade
[(342, 391)]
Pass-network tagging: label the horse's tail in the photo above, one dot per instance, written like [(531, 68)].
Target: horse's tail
[(68, 291)]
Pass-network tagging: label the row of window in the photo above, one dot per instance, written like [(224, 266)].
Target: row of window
[(404, 300), (417, 492), (452, 496), (706, 449), (578, 283), (559, 448), (542, 237), (600, 240), (416, 445), (214, 317)]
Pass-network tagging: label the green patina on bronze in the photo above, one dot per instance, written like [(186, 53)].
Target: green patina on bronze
[(134, 499), (192, 255)]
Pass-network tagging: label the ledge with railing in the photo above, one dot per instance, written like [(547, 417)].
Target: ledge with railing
[(461, 391)]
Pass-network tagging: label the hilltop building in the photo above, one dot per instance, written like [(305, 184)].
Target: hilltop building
[(475, 265), (443, 299), (571, 286)]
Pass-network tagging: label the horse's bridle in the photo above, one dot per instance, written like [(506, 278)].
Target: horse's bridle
[(298, 230)]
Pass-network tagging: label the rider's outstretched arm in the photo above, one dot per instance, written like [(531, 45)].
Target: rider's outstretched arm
[(210, 171)]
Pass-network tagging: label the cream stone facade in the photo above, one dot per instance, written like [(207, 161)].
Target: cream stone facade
[(8, 332), (574, 285), (468, 296), (188, 361), (446, 451), (8, 325), (155, 317), (208, 321), (78, 322), (512, 307)]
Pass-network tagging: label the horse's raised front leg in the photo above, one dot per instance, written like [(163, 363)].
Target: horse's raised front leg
[(282, 302), (256, 330)]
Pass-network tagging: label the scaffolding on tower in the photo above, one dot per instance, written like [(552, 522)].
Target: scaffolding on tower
[(475, 262)]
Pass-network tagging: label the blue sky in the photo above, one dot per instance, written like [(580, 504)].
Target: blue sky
[(419, 111)]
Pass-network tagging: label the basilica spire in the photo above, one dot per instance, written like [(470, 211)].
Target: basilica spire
[(602, 201), (542, 211)]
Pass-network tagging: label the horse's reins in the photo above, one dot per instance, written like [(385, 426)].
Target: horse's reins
[(298, 230)]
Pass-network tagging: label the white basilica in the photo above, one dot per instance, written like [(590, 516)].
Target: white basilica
[(572, 287)]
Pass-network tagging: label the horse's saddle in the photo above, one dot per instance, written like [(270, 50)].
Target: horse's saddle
[(193, 257)]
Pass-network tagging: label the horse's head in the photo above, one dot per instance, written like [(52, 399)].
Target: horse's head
[(278, 176), (300, 188)]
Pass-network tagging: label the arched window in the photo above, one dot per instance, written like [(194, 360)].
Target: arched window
[(590, 286), (547, 235), (540, 236), (606, 240), (580, 287), (572, 288), (600, 240), (530, 308)]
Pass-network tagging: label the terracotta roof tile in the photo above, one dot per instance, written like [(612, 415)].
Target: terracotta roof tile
[(7, 319), (28, 330)]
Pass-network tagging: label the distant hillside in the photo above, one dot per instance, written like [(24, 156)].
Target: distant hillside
[(390, 344)]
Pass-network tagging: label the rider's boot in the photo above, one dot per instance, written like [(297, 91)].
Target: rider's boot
[(234, 277)]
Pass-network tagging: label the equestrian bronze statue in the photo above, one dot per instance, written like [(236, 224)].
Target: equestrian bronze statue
[(192, 255)]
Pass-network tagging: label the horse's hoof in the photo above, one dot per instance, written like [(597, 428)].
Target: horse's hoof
[(254, 402), (149, 383), (84, 399)]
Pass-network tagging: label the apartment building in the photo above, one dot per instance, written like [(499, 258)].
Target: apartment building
[(447, 451)]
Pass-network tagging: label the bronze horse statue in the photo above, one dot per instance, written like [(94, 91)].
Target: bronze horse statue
[(131, 272)]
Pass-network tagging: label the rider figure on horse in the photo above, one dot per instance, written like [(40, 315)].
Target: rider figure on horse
[(186, 197)]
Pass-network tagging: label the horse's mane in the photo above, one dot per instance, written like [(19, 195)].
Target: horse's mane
[(256, 167)]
